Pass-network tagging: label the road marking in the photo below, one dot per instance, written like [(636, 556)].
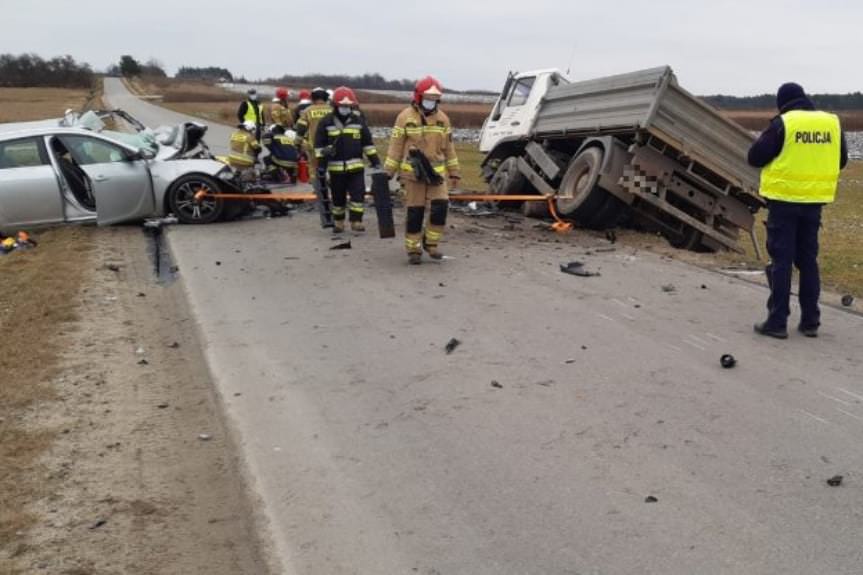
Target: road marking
[(698, 340), (603, 316), (854, 395), (815, 417), (822, 394), (618, 302), (857, 417), (714, 337), (695, 345)]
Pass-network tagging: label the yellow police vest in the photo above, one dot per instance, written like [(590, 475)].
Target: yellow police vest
[(252, 113), (807, 170)]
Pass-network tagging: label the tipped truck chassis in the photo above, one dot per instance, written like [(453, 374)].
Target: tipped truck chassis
[(628, 146)]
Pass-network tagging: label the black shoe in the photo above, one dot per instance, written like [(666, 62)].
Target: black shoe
[(808, 331), (769, 331)]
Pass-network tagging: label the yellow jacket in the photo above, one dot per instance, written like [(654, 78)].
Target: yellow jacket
[(432, 135)]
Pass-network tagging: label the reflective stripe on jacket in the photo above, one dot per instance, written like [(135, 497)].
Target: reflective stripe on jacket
[(254, 113), (307, 125), (807, 169), (432, 135)]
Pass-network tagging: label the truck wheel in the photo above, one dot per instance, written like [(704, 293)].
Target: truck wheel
[(182, 202), (509, 181), (692, 240), (580, 197), (538, 210)]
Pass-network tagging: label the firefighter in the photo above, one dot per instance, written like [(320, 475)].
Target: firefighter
[(250, 110), (244, 150), (305, 100), (307, 124), (800, 155), (341, 140), (423, 135), (283, 156), (280, 113)]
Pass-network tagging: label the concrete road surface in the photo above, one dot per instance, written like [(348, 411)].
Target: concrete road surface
[(534, 446)]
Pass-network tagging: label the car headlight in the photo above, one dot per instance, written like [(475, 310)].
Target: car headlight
[(226, 174)]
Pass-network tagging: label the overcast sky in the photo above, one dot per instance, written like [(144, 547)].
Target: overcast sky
[(731, 47)]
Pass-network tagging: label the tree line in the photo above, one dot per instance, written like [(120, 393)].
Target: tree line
[(32, 71), (362, 82), (853, 101)]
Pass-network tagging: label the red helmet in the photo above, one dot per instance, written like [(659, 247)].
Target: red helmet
[(305, 95), (344, 96), (428, 86), (282, 93)]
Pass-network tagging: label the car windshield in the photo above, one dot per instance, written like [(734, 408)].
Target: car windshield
[(141, 140)]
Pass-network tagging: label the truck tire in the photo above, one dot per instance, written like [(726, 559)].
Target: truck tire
[(580, 196), (509, 181), (181, 200)]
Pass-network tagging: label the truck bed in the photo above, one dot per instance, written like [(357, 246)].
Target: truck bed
[(650, 101)]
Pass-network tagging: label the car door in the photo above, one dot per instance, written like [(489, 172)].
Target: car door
[(29, 188), (121, 180)]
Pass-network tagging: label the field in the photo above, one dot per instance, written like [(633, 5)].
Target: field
[(28, 104), (758, 120)]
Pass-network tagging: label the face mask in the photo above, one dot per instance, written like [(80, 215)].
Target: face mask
[(253, 97), (429, 105), (344, 111)]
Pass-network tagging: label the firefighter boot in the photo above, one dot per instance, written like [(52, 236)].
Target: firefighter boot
[(357, 226), (356, 216), (414, 233), (338, 219), (434, 231)]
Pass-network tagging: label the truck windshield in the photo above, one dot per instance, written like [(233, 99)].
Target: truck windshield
[(521, 91)]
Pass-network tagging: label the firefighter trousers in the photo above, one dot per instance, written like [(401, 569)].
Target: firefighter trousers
[(420, 195), (349, 190)]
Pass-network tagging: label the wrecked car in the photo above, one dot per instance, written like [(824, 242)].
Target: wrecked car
[(75, 170)]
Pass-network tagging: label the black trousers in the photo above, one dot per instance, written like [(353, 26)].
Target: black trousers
[(346, 185), (792, 241)]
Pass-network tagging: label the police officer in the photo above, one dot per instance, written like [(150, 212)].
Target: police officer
[(250, 110), (423, 128), (801, 154), (341, 141)]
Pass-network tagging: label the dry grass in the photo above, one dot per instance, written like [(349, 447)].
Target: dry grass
[(28, 104), (39, 299), (758, 120)]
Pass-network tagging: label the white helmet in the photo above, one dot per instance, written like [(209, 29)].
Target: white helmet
[(249, 126), (290, 134)]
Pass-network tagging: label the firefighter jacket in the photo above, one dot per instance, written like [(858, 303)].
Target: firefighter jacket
[(307, 125), (281, 115), (340, 144), (283, 150), (432, 135), (250, 111), (244, 149)]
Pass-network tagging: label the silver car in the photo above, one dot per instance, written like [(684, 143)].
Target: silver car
[(74, 170)]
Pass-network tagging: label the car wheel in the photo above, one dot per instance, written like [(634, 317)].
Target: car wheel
[(187, 208)]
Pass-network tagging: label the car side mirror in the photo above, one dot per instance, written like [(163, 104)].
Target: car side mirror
[(141, 154)]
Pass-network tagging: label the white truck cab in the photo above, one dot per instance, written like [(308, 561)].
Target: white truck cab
[(513, 115)]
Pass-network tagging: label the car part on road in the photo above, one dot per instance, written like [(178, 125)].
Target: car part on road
[(451, 345), (835, 481), (342, 246), (577, 269), (727, 361)]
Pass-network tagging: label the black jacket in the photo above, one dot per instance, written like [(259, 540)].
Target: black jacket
[(341, 143), (241, 111)]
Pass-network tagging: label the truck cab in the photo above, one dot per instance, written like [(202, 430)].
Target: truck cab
[(513, 114)]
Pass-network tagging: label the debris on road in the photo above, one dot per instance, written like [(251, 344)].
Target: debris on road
[(847, 300), (342, 246), (140, 351), (205, 436), (98, 524), (175, 345), (611, 236), (218, 263), (669, 288), (112, 267), (143, 362), (162, 406), (835, 481), (651, 499), (569, 361), (576, 268), (495, 384), (21, 241), (727, 361), (451, 345)]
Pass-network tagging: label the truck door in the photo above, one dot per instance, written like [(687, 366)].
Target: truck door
[(511, 117), (122, 186)]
